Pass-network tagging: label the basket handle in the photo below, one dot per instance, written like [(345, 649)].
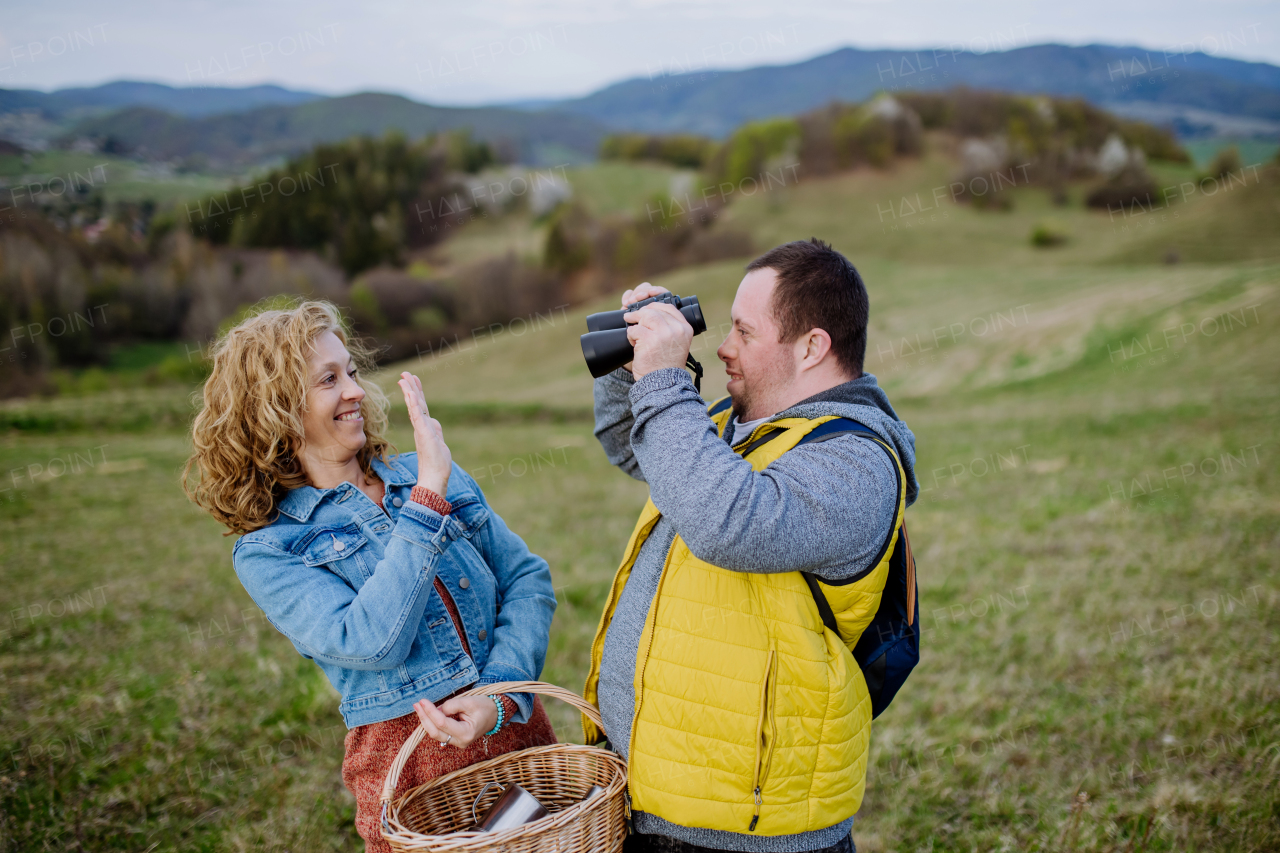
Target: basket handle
[(539, 687)]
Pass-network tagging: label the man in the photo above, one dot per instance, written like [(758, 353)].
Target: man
[(745, 723)]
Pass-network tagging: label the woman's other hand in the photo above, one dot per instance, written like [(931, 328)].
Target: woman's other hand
[(435, 462), (459, 721)]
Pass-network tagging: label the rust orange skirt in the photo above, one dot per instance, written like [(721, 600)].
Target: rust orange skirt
[(370, 750)]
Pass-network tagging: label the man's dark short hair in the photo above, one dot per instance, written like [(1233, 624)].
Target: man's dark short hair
[(819, 289)]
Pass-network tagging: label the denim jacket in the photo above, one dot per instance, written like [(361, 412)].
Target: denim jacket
[(352, 588)]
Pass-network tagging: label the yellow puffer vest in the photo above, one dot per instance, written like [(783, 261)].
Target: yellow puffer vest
[(750, 715)]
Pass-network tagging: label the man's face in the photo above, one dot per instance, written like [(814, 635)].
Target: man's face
[(760, 368)]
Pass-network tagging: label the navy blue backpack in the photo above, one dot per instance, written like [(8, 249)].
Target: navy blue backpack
[(890, 647)]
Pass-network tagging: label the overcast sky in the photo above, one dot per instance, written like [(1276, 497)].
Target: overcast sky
[(485, 52)]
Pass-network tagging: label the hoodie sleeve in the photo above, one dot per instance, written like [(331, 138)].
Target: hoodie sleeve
[(614, 420), (826, 508)]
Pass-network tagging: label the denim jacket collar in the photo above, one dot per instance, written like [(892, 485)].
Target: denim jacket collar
[(299, 503)]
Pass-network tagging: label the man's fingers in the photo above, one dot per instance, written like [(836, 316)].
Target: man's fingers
[(669, 310), (657, 316), (642, 291)]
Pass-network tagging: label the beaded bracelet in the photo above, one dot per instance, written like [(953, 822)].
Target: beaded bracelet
[(502, 715)]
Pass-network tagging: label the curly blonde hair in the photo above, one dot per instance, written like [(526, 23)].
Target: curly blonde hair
[(249, 431)]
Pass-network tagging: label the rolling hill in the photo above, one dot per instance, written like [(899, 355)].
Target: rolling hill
[(190, 101), (1207, 93), (254, 135)]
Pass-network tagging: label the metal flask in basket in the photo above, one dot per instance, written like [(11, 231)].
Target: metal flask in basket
[(563, 796), (515, 807)]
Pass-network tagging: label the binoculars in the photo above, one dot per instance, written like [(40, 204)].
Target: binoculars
[(605, 345)]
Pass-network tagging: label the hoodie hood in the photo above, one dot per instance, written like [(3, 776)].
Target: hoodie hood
[(864, 401)]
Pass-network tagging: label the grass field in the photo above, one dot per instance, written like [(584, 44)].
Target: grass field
[(118, 179), (1096, 535)]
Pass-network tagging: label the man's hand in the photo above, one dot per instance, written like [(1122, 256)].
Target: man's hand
[(643, 291), (661, 336)]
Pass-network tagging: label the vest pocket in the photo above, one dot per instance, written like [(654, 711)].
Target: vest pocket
[(766, 734)]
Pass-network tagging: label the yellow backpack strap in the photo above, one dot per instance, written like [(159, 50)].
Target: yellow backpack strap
[(721, 412)]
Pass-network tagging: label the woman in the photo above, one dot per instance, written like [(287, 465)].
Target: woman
[(390, 571)]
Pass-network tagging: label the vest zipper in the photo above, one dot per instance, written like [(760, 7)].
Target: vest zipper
[(751, 436), (593, 675), (642, 660), (764, 757)]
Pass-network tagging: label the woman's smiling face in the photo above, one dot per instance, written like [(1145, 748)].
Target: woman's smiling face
[(333, 426)]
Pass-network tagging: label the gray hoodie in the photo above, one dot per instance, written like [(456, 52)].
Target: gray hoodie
[(825, 508)]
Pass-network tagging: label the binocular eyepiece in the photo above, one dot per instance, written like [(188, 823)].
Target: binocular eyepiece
[(605, 345)]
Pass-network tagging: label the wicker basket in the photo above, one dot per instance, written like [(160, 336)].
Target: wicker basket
[(430, 817)]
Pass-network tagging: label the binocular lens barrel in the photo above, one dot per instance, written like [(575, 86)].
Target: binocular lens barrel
[(603, 320), (606, 351), (606, 347)]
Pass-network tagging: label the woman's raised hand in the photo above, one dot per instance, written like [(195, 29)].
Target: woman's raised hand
[(434, 460)]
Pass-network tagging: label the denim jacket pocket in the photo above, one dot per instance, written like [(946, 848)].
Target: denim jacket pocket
[(470, 514), (335, 547)]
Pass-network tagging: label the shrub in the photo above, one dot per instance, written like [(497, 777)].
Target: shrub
[(1048, 234), (1131, 187), (996, 200), (747, 152), (1226, 161), (841, 136), (365, 311), (682, 150), (567, 247)]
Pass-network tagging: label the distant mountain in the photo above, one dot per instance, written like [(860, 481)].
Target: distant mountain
[(192, 101), (715, 102), (1196, 94), (248, 137)]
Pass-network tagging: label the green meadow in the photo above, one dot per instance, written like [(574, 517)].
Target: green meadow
[(1096, 536), (118, 179)]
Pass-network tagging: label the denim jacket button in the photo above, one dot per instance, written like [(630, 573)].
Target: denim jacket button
[(338, 546), (465, 583), (397, 502), (483, 634)]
